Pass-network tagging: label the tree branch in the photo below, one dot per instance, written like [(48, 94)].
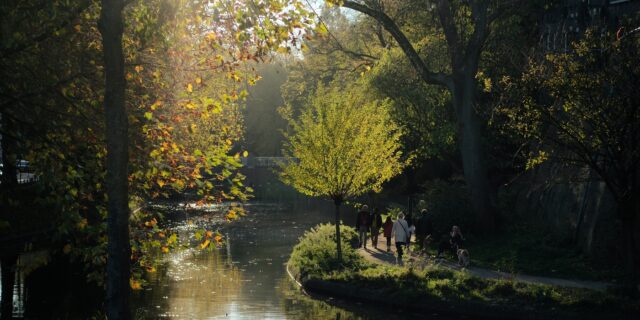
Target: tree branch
[(436, 78)]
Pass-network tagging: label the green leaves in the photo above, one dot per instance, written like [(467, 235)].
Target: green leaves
[(342, 145)]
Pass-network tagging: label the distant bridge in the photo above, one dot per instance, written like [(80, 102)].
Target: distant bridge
[(263, 162)]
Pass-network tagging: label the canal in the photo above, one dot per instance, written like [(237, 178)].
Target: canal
[(246, 278)]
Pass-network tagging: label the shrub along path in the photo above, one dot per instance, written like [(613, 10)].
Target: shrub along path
[(381, 256)]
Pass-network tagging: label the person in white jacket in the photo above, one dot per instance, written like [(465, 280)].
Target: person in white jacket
[(401, 235)]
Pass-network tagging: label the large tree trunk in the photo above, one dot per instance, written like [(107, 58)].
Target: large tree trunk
[(630, 218), (338, 244), (8, 266), (119, 250), (9, 177), (472, 152)]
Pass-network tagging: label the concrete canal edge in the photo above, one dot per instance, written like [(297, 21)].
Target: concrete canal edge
[(424, 305)]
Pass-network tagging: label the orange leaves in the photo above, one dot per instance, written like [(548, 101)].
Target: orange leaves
[(151, 223), (135, 284), (208, 237)]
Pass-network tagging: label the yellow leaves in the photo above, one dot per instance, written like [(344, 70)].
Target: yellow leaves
[(173, 238), (198, 80), (233, 75), (487, 85), (486, 82), (229, 142), (189, 88), (82, 224), (160, 183), (77, 28), (231, 215), (245, 153), (138, 68), (534, 161), (321, 29), (190, 105), (135, 284), (193, 128), (148, 115), (205, 244), (165, 249), (211, 36), (156, 105), (218, 239)]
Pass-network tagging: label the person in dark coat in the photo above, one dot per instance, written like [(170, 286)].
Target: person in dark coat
[(376, 224), (362, 225), (387, 227), (424, 227), (455, 242)]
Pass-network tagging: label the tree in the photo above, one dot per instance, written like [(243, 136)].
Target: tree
[(342, 146), (465, 26), (582, 108), (111, 27)]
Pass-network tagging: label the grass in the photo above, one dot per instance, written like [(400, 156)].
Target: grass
[(455, 287), (447, 287), (535, 253)]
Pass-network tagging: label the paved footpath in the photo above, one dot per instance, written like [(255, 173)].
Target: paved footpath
[(381, 256)]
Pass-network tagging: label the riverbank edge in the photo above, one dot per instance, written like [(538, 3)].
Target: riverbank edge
[(428, 306)]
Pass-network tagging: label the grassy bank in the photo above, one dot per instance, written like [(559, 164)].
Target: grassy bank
[(534, 252), (313, 262)]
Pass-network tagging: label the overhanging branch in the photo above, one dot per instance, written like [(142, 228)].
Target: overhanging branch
[(436, 78)]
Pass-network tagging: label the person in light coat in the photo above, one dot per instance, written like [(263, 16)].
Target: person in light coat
[(401, 235)]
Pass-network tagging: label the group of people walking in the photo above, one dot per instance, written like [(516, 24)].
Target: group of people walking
[(370, 224)]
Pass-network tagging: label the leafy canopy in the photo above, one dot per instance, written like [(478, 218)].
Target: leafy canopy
[(342, 145)]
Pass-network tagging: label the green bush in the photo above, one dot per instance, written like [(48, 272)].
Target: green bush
[(315, 254)]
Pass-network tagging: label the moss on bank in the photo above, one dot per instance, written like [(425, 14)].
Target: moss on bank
[(439, 289)]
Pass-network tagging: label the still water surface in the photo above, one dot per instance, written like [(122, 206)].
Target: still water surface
[(246, 278)]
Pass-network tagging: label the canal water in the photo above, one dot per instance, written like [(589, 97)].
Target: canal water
[(246, 278)]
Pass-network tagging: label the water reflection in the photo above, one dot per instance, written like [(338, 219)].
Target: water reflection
[(246, 279)]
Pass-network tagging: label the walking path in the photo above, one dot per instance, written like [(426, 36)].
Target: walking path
[(381, 256)]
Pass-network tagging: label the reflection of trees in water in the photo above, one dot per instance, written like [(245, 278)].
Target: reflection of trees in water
[(193, 284), (300, 306), (207, 283)]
